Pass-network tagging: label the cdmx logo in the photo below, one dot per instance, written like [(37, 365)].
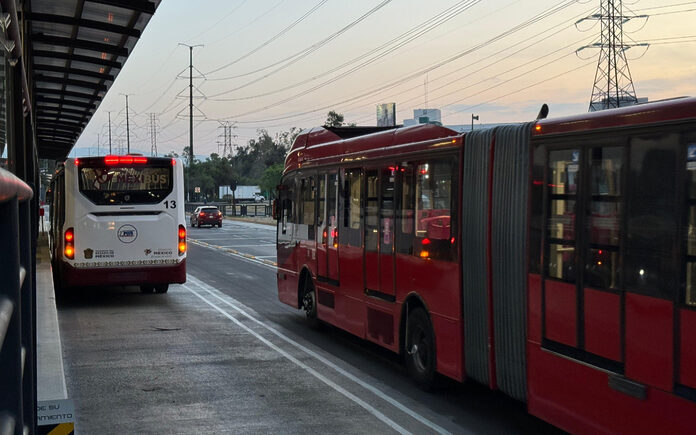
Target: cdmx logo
[(127, 233)]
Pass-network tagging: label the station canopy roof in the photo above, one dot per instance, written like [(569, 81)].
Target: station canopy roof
[(76, 48)]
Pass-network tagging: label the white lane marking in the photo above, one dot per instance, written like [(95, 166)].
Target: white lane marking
[(245, 246), (391, 423), (213, 292), (234, 253)]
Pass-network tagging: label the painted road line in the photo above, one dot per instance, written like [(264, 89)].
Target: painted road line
[(235, 253), (389, 422), (242, 309)]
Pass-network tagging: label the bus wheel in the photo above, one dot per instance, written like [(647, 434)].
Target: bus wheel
[(309, 303), (161, 288), (147, 288), (420, 348)]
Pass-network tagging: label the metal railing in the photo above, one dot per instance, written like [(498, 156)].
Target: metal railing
[(17, 308), (249, 209)]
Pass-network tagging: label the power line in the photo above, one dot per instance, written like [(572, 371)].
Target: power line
[(269, 41), (306, 52)]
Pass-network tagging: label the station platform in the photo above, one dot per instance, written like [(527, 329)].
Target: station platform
[(50, 383)]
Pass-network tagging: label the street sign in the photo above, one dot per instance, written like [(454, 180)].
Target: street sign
[(55, 416)]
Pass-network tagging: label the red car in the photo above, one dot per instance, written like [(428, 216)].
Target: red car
[(206, 216)]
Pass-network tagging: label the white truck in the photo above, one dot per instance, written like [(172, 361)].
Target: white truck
[(242, 193)]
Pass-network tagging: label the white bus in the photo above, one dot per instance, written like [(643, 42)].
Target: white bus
[(118, 220)]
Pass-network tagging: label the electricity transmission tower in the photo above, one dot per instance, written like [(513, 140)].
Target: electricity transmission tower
[(153, 134), (226, 137), (613, 85)]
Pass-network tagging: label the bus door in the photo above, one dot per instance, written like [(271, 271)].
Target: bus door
[(322, 229), (332, 226), (327, 228), (379, 233)]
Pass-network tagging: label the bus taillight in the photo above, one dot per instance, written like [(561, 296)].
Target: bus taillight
[(182, 240), (69, 242), (124, 160), (334, 236)]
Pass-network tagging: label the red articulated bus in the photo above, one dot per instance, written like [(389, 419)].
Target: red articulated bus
[(552, 260)]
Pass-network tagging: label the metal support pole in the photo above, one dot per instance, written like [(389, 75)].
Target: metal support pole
[(11, 399), (109, 132)]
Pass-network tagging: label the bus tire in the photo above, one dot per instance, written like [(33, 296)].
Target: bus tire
[(420, 348), (147, 288), (161, 288), (309, 303)]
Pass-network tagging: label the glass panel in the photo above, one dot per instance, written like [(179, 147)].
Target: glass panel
[(561, 223), (691, 232), (371, 211), (691, 165), (564, 167), (433, 189), (125, 185), (387, 210), (561, 262), (602, 269), (433, 210), (322, 208), (691, 283), (351, 218), (652, 215), (331, 206), (604, 222), (606, 171), (404, 242)]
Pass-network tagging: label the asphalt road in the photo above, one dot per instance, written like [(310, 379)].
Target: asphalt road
[(220, 354)]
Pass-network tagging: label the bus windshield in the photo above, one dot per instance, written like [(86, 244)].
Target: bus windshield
[(108, 185)]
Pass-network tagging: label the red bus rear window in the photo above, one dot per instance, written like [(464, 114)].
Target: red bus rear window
[(125, 185)]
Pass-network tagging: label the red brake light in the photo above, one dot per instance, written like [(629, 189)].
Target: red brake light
[(124, 160), (182, 240), (425, 241), (69, 248), (173, 162), (77, 162), (201, 214)]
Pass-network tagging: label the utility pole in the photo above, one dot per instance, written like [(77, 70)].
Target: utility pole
[(613, 85), (473, 117), (109, 132), (127, 126), (153, 134), (191, 47)]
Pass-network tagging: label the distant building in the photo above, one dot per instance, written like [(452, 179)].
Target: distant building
[(424, 116)]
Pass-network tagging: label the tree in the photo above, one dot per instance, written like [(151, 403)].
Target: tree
[(271, 179), (334, 119)]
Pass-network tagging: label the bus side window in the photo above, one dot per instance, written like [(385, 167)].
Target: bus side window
[(433, 211), (306, 215), (689, 143), (652, 216)]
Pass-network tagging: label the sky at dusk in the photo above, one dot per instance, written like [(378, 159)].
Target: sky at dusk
[(279, 64)]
